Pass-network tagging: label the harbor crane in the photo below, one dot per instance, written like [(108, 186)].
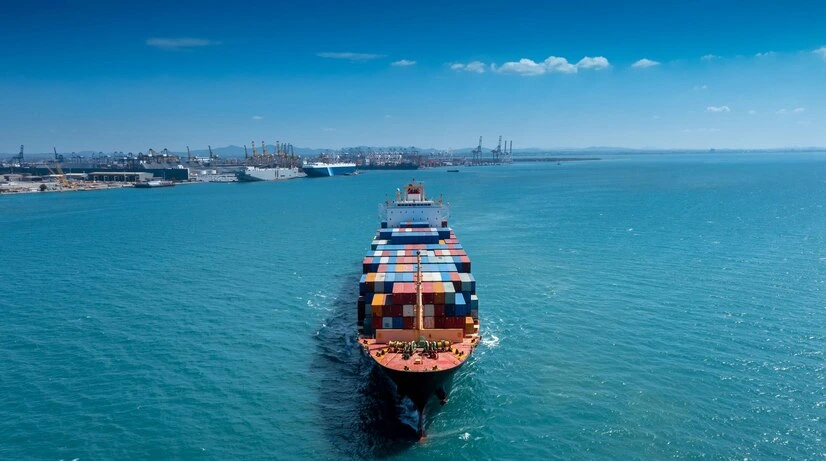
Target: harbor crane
[(496, 153), (477, 153), (58, 173), (57, 157), (254, 153)]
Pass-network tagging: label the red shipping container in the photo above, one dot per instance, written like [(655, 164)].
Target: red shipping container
[(376, 322), (439, 322), (439, 310), (400, 299), (408, 323)]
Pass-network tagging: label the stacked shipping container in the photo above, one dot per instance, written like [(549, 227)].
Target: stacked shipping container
[(387, 289)]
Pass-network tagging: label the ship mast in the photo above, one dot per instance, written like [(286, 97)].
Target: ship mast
[(419, 306)]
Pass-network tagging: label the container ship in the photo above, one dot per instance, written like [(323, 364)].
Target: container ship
[(321, 169), (417, 309)]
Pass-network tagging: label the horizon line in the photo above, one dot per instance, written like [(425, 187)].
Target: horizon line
[(521, 149)]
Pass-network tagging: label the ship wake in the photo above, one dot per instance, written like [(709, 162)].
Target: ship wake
[(358, 407)]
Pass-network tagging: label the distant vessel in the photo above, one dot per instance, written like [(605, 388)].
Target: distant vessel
[(254, 173), (154, 183), (417, 309), (452, 171), (321, 169)]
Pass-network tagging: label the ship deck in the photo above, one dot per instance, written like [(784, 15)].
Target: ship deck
[(459, 352)]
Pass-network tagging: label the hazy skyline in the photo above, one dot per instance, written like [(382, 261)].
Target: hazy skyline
[(94, 75)]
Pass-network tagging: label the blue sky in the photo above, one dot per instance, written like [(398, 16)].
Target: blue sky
[(106, 76)]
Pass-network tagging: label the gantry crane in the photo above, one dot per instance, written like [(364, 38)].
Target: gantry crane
[(477, 153)]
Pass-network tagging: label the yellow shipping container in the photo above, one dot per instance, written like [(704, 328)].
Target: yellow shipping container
[(469, 326)]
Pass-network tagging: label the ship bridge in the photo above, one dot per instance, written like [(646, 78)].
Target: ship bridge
[(411, 206)]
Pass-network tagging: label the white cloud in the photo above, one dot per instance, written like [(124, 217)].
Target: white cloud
[(709, 57), (763, 55), (553, 64), (561, 65), (403, 63), (596, 62), (528, 67), (349, 56), (473, 66), (645, 63), (796, 110), (329, 129), (752, 112), (180, 43), (718, 109), (257, 117), (700, 87), (388, 116), (821, 51)]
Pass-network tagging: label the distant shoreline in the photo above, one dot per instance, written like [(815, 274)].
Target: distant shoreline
[(518, 153)]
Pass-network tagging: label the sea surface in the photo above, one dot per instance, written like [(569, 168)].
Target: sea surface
[(637, 307)]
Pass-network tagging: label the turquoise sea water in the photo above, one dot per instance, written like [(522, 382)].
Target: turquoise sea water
[(637, 307)]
